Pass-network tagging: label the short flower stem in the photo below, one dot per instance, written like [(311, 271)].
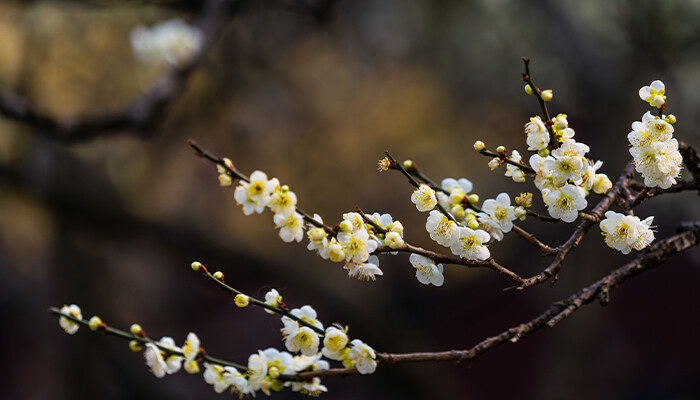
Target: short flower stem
[(108, 330), (545, 114), (259, 303)]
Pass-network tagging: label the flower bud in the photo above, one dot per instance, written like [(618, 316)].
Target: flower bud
[(196, 266), (317, 234), (501, 150), (273, 372), (241, 300), (479, 145), (473, 198), (397, 227), (192, 367), (520, 212), (528, 89), (547, 95), (228, 163), (135, 345), (408, 164), (393, 240), (494, 163), (95, 323), (458, 212), (346, 226), (219, 275), (543, 152), (671, 119), (136, 330), (473, 224), (336, 252), (225, 180)]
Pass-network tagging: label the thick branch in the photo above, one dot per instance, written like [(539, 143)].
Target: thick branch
[(656, 255), (141, 115)]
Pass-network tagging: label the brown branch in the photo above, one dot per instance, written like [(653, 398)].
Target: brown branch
[(600, 290), (141, 115), (573, 242), (543, 248), (442, 258)]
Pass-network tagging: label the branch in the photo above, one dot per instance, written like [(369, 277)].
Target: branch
[(442, 258), (654, 256), (573, 242), (142, 114)]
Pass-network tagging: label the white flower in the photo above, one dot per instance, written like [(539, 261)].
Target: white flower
[(654, 94), (470, 244), (313, 388), (537, 134), (560, 123), (215, 375), (651, 129), (426, 270), (309, 363), (69, 326), (335, 251), (291, 226), (498, 213), (543, 175), (514, 172), (283, 201), (154, 360), (318, 238), (601, 183), (191, 348), (172, 362), (565, 202), (424, 198), (365, 271), (626, 232), (173, 42), (363, 356), (569, 163), (356, 221), (441, 229), (273, 298), (306, 314), (304, 340), (494, 163), (393, 240), (255, 195), (357, 245), (451, 184), (658, 162), (334, 342)]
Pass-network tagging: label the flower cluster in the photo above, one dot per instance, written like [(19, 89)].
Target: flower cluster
[(173, 42), (267, 370), (626, 232), (352, 242), (654, 149), (564, 176)]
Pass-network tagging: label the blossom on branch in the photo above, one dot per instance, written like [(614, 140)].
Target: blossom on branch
[(626, 232), (69, 326), (424, 198)]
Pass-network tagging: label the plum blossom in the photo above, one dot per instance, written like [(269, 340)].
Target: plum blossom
[(626, 232)]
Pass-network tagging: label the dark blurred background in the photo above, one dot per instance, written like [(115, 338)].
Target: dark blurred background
[(314, 92)]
